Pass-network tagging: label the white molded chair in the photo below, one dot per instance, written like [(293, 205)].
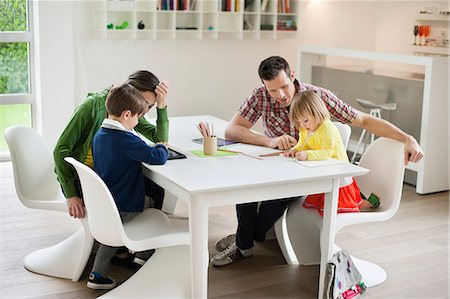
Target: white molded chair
[(167, 272), (383, 156), (37, 188), (280, 231)]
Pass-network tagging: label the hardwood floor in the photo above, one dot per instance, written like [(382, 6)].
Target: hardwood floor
[(412, 247)]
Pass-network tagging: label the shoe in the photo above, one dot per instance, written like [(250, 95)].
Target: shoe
[(127, 262), (230, 255), (142, 260), (98, 282), (225, 242), (374, 200)]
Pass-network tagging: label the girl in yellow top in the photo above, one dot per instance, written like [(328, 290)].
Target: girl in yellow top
[(319, 139)]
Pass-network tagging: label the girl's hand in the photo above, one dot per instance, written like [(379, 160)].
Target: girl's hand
[(291, 153), (302, 156)]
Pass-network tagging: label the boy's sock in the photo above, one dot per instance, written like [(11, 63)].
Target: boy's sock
[(374, 200)]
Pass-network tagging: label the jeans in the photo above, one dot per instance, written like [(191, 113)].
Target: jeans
[(253, 223)]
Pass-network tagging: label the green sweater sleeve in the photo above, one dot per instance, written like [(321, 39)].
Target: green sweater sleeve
[(72, 144), (158, 133)]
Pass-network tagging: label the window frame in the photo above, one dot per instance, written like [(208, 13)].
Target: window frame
[(27, 36)]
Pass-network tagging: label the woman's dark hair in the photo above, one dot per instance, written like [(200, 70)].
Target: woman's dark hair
[(143, 81), (271, 67), (125, 97)]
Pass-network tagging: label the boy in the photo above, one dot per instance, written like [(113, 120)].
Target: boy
[(118, 155)]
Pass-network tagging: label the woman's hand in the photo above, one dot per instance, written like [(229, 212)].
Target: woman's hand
[(162, 89)]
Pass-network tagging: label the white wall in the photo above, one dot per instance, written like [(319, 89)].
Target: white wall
[(206, 76)]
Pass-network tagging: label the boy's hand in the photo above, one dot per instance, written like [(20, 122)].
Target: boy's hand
[(162, 89), (163, 143)]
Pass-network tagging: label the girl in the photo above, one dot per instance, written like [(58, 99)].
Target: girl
[(319, 139)]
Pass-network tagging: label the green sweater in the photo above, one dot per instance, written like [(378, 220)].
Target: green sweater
[(77, 136)]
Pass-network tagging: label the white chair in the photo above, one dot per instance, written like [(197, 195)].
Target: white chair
[(383, 156), (167, 273), (37, 188), (279, 228)]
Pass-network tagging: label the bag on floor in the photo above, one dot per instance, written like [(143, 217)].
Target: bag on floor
[(342, 278)]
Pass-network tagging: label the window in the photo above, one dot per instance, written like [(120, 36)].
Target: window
[(17, 95)]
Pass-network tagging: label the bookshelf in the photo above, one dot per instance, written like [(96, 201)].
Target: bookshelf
[(195, 19)]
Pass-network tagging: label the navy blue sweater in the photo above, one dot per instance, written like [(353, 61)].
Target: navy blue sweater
[(117, 160)]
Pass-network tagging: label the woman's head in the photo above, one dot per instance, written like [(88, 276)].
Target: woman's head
[(308, 111), (143, 81)]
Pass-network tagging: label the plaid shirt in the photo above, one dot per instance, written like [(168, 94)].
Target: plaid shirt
[(276, 118)]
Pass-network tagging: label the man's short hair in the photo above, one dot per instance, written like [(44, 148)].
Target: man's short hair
[(271, 67)]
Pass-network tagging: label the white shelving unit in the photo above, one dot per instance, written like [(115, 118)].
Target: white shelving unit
[(203, 19), (434, 20)]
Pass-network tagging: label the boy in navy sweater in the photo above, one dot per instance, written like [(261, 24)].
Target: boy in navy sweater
[(118, 155)]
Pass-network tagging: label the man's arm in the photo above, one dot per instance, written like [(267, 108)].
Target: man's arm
[(380, 127), (239, 130)]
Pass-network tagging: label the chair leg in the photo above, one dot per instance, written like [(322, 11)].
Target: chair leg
[(282, 236), (165, 275), (303, 226), (363, 133), (66, 259)]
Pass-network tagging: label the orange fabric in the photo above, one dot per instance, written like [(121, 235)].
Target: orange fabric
[(349, 200)]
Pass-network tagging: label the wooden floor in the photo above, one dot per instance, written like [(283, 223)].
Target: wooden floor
[(412, 247)]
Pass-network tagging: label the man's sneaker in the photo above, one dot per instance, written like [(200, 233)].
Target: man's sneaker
[(225, 242), (127, 262), (142, 260), (229, 255), (98, 282)]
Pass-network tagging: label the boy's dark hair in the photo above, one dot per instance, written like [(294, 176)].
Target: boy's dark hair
[(143, 81), (125, 97), (271, 67)]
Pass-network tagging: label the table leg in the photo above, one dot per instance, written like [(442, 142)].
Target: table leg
[(198, 224), (328, 232)]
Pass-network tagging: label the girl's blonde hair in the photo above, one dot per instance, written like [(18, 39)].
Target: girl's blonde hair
[(308, 103)]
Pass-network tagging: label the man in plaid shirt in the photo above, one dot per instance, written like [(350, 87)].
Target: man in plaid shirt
[(271, 101)]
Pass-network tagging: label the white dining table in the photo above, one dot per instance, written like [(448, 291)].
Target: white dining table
[(204, 182)]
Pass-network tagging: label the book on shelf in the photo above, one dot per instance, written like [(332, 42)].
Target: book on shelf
[(264, 5)]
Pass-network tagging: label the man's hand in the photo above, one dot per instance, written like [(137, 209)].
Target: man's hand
[(413, 152), (162, 89), (283, 142), (75, 206)]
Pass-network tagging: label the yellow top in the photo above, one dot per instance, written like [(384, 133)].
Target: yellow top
[(89, 161), (324, 143)]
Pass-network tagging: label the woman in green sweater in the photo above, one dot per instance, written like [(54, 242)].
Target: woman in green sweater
[(76, 139)]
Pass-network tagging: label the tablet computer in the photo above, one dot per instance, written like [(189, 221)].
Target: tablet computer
[(173, 154), (220, 141)]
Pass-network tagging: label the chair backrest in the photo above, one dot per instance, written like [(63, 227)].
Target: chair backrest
[(33, 167), (384, 159), (103, 215), (345, 132)]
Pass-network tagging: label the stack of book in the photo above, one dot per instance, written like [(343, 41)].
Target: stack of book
[(286, 25)]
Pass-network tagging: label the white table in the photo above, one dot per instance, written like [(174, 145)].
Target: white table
[(217, 181)]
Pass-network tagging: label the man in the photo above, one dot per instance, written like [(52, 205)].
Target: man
[(271, 101)]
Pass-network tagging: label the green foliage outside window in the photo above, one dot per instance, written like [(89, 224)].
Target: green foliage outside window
[(13, 56), (13, 15)]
